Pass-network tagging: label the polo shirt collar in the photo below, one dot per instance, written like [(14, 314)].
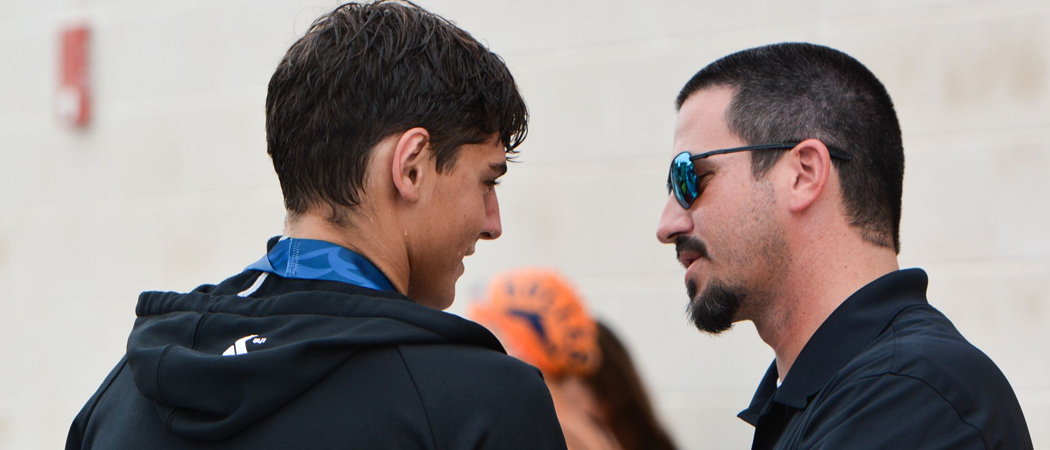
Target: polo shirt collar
[(844, 334)]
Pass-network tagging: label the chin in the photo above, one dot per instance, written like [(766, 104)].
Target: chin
[(715, 308), (434, 285), (439, 299), (444, 302)]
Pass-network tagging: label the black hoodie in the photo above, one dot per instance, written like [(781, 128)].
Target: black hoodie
[(312, 364)]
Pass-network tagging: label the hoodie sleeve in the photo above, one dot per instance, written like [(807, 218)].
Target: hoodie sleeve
[(482, 399)]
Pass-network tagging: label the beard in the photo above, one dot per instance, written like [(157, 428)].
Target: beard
[(714, 310), (757, 259)]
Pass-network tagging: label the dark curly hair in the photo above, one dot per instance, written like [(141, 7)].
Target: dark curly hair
[(364, 72)]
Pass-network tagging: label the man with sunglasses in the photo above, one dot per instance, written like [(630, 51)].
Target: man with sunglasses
[(784, 206)]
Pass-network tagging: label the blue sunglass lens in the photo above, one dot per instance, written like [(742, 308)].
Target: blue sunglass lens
[(682, 180)]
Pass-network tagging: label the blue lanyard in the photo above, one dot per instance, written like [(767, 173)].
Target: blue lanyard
[(309, 259)]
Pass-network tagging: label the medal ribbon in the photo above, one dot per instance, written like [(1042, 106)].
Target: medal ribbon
[(309, 259)]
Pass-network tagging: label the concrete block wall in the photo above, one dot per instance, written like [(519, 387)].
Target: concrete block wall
[(170, 186)]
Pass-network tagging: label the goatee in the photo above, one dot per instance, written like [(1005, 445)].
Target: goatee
[(714, 309)]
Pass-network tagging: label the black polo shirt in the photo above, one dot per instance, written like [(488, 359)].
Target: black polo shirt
[(888, 371)]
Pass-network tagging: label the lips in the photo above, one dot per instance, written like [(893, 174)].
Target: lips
[(689, 249), (688, 258)]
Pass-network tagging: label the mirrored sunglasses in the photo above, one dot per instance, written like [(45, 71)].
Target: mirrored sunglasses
[(684, 182)]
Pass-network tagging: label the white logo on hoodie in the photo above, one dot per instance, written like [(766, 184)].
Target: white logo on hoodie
[(240, 347)]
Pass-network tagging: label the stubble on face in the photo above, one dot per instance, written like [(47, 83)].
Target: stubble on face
[(714, 309), (754, 264)]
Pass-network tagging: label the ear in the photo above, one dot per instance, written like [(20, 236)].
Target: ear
[(411, 163), (811, 167)]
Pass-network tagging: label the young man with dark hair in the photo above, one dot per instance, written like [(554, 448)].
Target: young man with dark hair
[(784, 207), (388, 128)]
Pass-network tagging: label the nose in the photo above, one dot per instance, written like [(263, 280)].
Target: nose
[(674, 221), (492, 228)]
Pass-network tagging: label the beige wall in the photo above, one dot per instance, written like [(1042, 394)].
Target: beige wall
[(171, 187)]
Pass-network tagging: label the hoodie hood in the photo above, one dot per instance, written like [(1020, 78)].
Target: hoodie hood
[(216, 364)]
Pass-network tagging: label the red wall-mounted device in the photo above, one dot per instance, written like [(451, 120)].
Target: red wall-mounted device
[(74, 93)]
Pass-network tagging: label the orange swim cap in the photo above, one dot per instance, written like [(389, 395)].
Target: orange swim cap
[(537, 312)]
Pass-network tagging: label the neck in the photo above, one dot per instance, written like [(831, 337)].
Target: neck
[(820, 278), (364, 235)]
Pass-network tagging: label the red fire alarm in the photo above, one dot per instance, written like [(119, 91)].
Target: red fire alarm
[(74, 95)]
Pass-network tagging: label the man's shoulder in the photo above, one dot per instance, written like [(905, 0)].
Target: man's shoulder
[(474, 366), (921, 361), (922, 343), (450, 376), (922, 349), (476, 397)]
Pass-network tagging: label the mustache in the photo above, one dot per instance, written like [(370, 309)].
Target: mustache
[(689, 244)]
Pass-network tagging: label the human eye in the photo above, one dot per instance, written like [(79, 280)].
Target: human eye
[(702, 180), (496, 171), (490, 185)]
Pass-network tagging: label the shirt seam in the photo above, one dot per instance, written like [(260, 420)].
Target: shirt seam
[(928, 385), (896, 364), (419, 394)]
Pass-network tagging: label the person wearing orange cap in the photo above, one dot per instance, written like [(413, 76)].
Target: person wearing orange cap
[(539, 318)]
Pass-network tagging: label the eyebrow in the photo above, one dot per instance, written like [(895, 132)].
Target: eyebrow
[(499, 168)]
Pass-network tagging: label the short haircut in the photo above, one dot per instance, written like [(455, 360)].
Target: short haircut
[(364, 72), (796, 91)]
